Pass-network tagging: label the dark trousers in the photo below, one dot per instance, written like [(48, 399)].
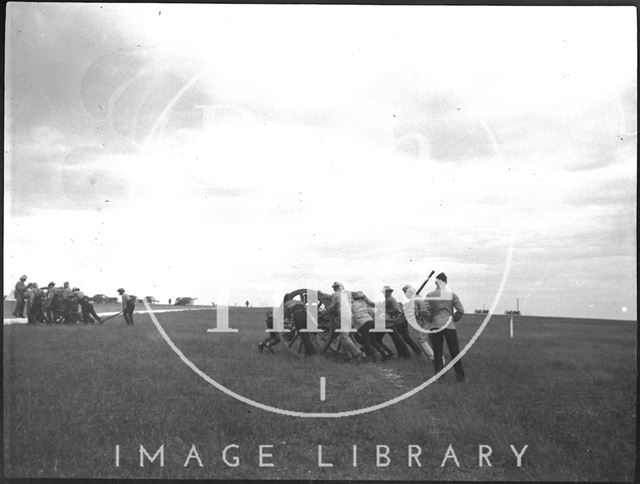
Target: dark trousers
[(437, 342), (402, 328), (128, 312), (55, 311), (35, 311), (370, 345), (88, 312), (300, 322), (272, 338), (70, 311), (376, 341), (18, 312), (398, 341)]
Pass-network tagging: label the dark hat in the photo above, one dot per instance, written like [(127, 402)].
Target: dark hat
[(442, 276), (51, 284), (337, 284), (357, 295), (386, 288), (120, 290)]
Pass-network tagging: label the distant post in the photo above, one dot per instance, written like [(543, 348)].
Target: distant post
[(511, 326), (222, 314)]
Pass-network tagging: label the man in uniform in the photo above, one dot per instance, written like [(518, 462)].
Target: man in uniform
[(339, 298), (34, 312), (363, 320), (401, 327), (273, 339), (128, 306), (72, 304), (55, 304), (27, 299), (20, 294), (446, 309), (298, 314), (49, 303), (88, 312), (422, 316), (68, 303), (393, 311)]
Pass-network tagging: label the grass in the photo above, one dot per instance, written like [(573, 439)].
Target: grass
[(564, 387), (100, 308)]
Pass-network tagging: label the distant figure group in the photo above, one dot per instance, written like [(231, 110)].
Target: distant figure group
[(53, 305), (62, 305), (436, 314)]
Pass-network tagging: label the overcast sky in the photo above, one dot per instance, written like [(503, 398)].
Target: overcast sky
[(237, 152)]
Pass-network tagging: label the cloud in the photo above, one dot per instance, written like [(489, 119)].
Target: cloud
[(618, 191), (170, 160), (47, 173)]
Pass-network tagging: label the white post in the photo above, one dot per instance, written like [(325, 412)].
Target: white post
[(323, 389), (312, 312), (511, 327), (222, 313)]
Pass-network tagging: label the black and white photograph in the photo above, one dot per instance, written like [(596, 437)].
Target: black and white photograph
[(315, 242)]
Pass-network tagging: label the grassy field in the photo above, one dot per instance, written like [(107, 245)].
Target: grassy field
[(564, 387), (8, 307)]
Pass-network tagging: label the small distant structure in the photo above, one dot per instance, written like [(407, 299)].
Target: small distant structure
[(102, 299), (481, 311), (246, 303), (151, 300), (184, 301), (515, 312)]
